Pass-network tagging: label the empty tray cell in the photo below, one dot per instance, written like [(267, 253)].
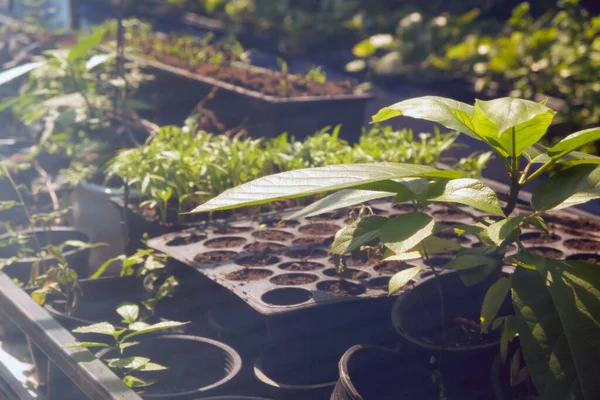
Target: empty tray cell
[(212, 257), (381, 283), (226, 242), (278, 223), (591, 258), (286, 296), (319, 229), (301, 266), (273, 234), (307, 254), (294, 279), (583, 244), (539, 238), (350, 273), (360, 260), (185, 239), (341, 288), (391, 267), (264, 247), (231, 230), (257, 260), (449, 214), (546, 252), (312, 241), (249, 274), (579, 223)]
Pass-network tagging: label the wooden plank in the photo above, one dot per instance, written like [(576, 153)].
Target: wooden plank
[(94, 378)]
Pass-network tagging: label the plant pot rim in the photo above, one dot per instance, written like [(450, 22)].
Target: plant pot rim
[(43, 230), (262, 377), (236, 364), (397, 320)]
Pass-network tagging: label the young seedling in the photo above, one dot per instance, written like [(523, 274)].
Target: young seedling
[(284, 81)]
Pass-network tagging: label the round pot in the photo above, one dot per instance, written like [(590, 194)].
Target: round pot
[(294, 373), (78, 259), (95, 215), (376, 373), (196, 366), (416, 316)]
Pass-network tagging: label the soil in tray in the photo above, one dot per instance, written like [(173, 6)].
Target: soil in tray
[(332, 216), (404, 208), (319, 229), (354, 274), (210, 257), (591, 258), (225, 242), (306, 254), (231, 230), (583, 245), (312, 241), (264, 247), (294, 279), (539, 238), (182, 240), (460, 332), (575, 223), (448, 213), (277, 223), (546, 252), (301, 266), (257, 260), (273, 234), (248, 274), (391, 267), (341, 288)]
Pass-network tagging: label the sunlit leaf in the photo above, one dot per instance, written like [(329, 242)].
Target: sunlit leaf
[(406, 231), (471, 192), (575, 185), (357, 234), (400, 280), (103, 328), (161, 326), (573, 142), (499, 231), (494, 298)]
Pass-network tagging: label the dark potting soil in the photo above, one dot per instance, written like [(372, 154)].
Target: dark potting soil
[(257, 260), (546, 252), (453, 236), (312, 241), (583, 244), (215, 256), (391, 267), (331, 216), (231, 230), (350, 273), (247, 274), (182, 240), (273, 234), (306, 254), (225, 242), (381, 283), (591, 258), (277, 223), (575, 223), (448, 213), (539, 238), (264, 247), (319, 229), (294, 279), (460, 332), (301, 266), (341, 288), (405, 208)]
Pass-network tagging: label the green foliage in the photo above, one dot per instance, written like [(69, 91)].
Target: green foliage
[(556, 302)]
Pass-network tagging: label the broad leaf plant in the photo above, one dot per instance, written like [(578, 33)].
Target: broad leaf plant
[(556, 303)]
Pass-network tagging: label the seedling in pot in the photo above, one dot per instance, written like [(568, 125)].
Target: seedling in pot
[(554, 301), (124, 366)]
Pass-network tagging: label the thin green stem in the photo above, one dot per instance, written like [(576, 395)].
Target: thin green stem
[(539, 171)]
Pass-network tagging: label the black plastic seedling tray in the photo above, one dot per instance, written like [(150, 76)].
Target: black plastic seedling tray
[(277, 268)]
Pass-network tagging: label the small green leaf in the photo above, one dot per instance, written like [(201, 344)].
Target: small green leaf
[(432, 244), (357, 234), (538, 222), (138, 326), (86, 44), (471, 192), (123, 346), (106, 264), (161, 326), (400, 280), (492, 302), (39, 296), (134, 382), (128, 311), (103, 328), (304, 182), (150, 366), (406, 231), (364, 49), (87, 344), (128, 362), (501, 230), (573, 142), (337, 200)]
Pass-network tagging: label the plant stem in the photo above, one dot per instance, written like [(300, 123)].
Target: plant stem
[(539, 171), (515, 187)]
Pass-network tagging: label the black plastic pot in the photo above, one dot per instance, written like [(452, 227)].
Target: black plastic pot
[(196, 366), (416, 315), (377, 373), (78, 258)]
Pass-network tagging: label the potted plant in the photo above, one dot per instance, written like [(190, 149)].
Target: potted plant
[(553, 300)]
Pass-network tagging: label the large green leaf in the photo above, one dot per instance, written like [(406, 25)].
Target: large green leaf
[(358, 233), (576, 185), (557, 313), (400, 280), (492, 302), (103, 328), (500, 230), (304, 182), (13, 73), (573, 142), (507, 120), (161, 326), (447, 112), (406, 231), (432, 245), (471, 192)]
